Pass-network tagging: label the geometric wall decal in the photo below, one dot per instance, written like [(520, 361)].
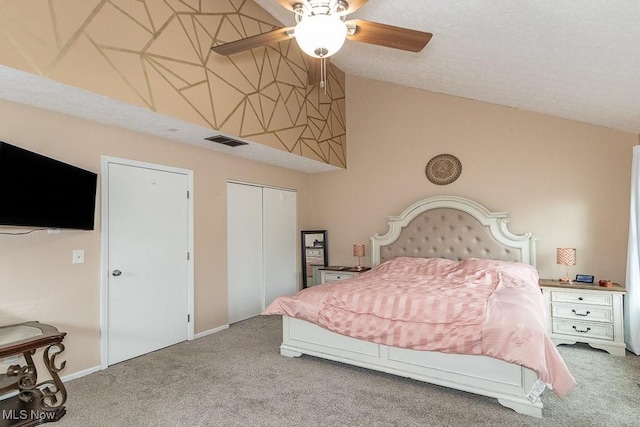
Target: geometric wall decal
[(156, 54)]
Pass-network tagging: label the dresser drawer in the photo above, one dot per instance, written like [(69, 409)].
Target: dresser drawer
[(585, 313), (330, 277), (591, 313), (314, 252), (583, 331), (582, 297)]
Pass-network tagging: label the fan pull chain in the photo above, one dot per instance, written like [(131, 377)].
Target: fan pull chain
[(323, 74)]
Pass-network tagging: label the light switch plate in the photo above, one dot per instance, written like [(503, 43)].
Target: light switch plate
[(78, 256)]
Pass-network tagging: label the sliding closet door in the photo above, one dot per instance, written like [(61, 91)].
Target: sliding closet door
[(244, 251), (280, 256), (261, 247)]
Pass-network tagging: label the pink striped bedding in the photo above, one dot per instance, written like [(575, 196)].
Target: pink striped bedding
[(475, 306)]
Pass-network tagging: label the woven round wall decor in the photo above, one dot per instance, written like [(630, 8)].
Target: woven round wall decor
[(443, 169)]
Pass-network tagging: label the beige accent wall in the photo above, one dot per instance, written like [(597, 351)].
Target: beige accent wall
[(566, 182), (156, 54), (38, 280)]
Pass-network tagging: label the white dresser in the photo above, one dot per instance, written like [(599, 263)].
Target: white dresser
[(330, 274), (592, 314)]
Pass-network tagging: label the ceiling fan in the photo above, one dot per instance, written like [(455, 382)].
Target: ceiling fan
[(321, 29)]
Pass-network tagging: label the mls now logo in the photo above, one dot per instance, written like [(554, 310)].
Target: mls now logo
[(25, 414)]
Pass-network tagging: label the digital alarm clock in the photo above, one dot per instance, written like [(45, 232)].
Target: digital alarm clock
[(584, 278)]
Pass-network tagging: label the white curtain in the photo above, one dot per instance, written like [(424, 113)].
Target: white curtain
[(632, 299)]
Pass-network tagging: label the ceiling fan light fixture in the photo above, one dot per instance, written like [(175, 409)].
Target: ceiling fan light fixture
[(320, 36)]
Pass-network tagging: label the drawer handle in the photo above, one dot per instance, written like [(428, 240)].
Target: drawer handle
[(580, 298), (581, 314), (584, 331)]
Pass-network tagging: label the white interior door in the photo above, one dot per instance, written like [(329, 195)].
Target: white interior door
[(280, 256), (148, 244), (244, 251)]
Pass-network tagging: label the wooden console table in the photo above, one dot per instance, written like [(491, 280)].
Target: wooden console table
[(35, 403)]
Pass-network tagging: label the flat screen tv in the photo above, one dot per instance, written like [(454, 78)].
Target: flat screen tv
[(37, 191)]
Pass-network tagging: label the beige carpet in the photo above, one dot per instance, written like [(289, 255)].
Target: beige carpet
[(238, 378)]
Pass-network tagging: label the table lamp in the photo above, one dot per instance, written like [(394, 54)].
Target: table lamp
[(566, 257), (358, 250)]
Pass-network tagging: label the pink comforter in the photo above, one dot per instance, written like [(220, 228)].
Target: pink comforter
[(482, 307)]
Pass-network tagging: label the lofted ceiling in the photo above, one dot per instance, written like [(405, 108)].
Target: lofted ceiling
[(578, 60)]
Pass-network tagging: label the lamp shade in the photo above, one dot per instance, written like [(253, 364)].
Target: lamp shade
[(566, 256), (358, 250), (320, 36)]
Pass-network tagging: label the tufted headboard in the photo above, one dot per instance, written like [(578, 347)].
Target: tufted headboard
[(451, 227)]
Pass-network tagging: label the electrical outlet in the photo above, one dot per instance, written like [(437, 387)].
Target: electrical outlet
[(78, 256)]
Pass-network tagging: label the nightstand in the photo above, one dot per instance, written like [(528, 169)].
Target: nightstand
[(330, 274), (578, 312)]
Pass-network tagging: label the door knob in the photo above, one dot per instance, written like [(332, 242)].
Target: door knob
[(116, 272)]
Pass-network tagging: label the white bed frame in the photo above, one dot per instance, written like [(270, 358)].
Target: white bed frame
[(511, 384)]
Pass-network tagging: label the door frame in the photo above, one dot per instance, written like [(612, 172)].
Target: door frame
[(104, 234)]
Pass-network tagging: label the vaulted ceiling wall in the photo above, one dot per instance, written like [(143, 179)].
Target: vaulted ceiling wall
[(156, 54)]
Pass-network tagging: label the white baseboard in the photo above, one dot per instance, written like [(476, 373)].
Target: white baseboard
[(210, 331), (80, 374), (64, 379)]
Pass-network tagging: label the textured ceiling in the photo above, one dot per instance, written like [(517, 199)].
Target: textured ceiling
[(574, 59)]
